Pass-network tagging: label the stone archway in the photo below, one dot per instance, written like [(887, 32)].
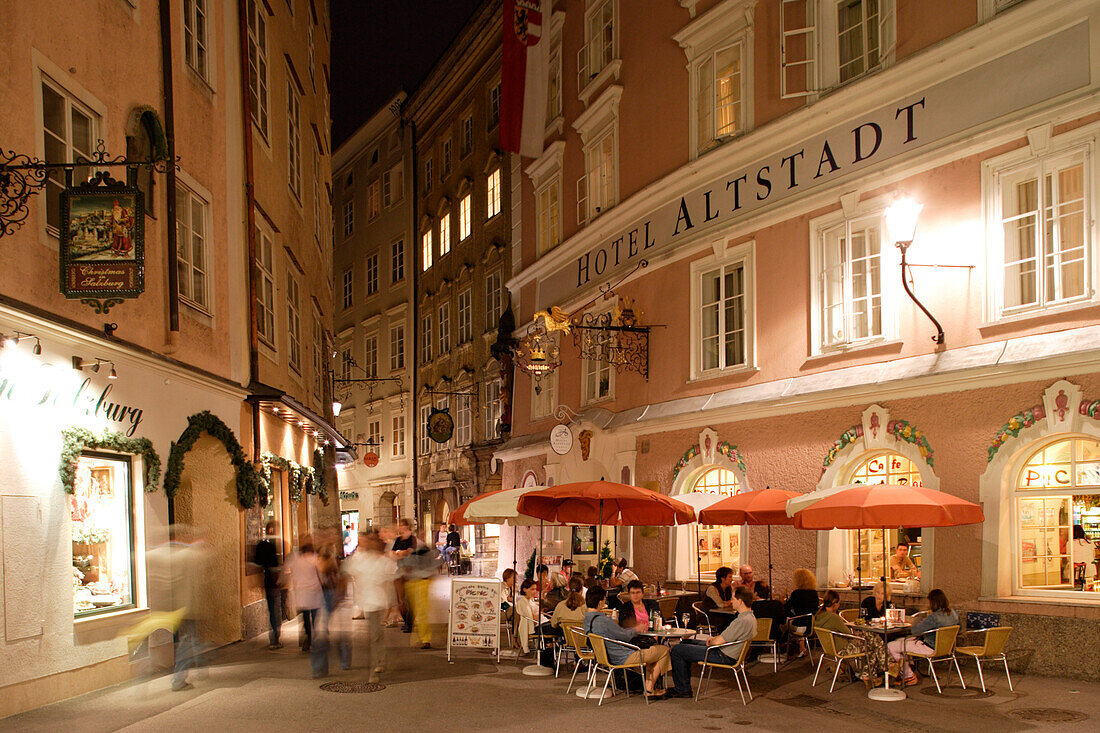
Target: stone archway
[(385, 510)]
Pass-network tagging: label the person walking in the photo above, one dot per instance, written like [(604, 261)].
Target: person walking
[(372, 573), (419, 568), (304, 579), (403, 546), (266, 556)]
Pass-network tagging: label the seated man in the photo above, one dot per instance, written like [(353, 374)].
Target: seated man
[(655, 658), (764, 606), (742, 629)]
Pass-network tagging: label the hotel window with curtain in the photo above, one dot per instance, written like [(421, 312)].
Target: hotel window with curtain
[(102, 514), (851, 306), (719, 80)]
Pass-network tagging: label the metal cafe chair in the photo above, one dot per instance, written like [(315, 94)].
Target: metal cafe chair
[(764, 639), (944, 651), (805, 621), (737, 666), (603, 664), (830, 652), (668, 606), (577, 643), (702, 620), (991, 650), (850, 615)]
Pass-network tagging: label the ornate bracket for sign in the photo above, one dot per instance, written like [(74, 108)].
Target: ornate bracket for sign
[(101, 306), (471, 392), (614, 339), (22, 176), (342, 386)]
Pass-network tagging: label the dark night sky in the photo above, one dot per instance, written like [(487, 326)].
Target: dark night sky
[(380, 46)]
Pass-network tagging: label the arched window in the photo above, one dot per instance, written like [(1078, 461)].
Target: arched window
[(1057, 489), (717, 545), (866, 545)]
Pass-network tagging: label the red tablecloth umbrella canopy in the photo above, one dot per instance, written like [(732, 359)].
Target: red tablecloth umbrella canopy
[(874, 506), (605, 503), (760, 508)]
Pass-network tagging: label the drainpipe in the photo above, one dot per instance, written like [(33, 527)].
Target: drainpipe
[(170, 177), (413, 306)]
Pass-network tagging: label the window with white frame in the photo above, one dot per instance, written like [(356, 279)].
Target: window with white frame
[(492, 194), (348, 288), (553, 82), (466, 140), (849, 282), (397, 347), (69, 129), (345, 362), (544, 393), (293, 322), (494, 300), (598, 375), (445, 155), (444, 328), (600, 37), (370, 355), (465, 316), (720, 88), (318, 354), (397, 436), (426, 250), (598, 189), (445, 233), (429, 169), (257, 64), (463, 419), (397, 260), (294, 140), (105, 577), (393, 185), (722, 294), (493, 112), (192, 253), (464, 216), (318, 218), (265, 264), (426, 339), (374, 434), (548, 216), (195, 37), (372, 274), (492, 411), (1044, 237), (374, 200), (349, 217), (425, 441)]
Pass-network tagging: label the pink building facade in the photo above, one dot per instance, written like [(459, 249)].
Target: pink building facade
[(725, 169)]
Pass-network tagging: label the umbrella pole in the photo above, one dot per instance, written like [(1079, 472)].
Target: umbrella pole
[(859, 568), (885, 694), (769, 556), (536, 669)]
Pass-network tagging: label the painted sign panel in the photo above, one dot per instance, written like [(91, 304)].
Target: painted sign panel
[(474, 620), (102, 242)]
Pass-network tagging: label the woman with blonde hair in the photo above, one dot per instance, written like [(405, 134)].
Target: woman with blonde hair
[(802, 604)]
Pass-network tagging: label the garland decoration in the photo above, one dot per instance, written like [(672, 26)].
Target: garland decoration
[(684, 460), (1015, 424), (250, 483), (849, 436), (1089, 409), (296, 474), (317, 485), (902, 430), (75, 440), (731, 452)]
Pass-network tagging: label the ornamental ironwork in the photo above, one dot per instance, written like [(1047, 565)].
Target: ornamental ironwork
[(537, 353), (614, 338)]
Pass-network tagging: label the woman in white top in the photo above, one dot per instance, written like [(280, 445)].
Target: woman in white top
[(527, 613), (1084, 553)]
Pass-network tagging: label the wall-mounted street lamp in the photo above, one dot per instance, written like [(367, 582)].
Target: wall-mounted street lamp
[(901, 227)]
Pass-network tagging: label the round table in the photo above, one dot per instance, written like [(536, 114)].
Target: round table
[(666, 635), (872, 634)]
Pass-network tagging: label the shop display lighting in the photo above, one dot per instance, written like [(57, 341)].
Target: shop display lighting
[(17, 336), (80, 365)]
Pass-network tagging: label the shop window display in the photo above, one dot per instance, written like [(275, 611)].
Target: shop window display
[(102, 534), (884, 468), (1057, 491), (718, 545)]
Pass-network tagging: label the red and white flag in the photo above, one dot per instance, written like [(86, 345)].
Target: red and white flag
[(524, 77)]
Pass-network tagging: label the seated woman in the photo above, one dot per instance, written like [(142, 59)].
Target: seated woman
[(655, 658), (570, 611), (874, 606), (719, 593), (637, 612), (829, 619), (591, 579), (801, 605), (527, 613), (507, 593), (923, 636), (1084, 558)]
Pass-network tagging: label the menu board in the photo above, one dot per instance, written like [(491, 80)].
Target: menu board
[(474, 619)]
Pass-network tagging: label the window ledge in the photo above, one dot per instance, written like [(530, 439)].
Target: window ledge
[(719, 373), (869, 348), (613, 69), (197, 312), (200, 81), (1059, 605), (127, 615), (1036, 316), (555, 127)]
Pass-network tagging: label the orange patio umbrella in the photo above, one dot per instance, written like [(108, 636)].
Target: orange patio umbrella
[(605, 502), (759, 508)]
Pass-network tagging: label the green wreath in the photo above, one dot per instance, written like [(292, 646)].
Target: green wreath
[(76, 440), (250, 484), (317, 484)]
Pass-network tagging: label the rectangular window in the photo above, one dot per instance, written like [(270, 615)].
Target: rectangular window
[(265, 263), (398, 436), (426, 339), (723, 328), (310, 55), (599, 47), (374, 434), (349, 217), (195, 36), (293, 323), (397, 260), (598, 374), (850, 282), (1045, 223), (857, 37), (69, 130), (426, 249), (425, 441), (553, 83), (348, 291), (397, 347), (318, 354), (429, 169), (720, 94), (465, 317), (467, 139), (446, 155), (598, 189), (257, 64), (444, 328), (464, 215), (445, 234), (463, 420), (374, 200), (318, 218), (544, 393), (192, 256), (101, 507), (492, 409), (393, 185), (494, 300), (294, 140), (370, 355), (372, 274), (494, 106), (548, 216), (345, 363), (492, 194)]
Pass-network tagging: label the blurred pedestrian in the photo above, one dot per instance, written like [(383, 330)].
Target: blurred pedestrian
[(372, 573), (266, 555), (304, 579), (419, 567), (336, 621), (176, 570), (403, 546)]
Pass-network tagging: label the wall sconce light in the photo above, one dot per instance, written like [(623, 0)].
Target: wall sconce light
[(901, 227), (336, 407), (18, 336), (80, 365)]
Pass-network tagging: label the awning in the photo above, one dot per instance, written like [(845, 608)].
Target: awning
[(288, 409)]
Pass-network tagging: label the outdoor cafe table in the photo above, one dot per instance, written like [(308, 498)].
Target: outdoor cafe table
[(664, 636), (872, 638)]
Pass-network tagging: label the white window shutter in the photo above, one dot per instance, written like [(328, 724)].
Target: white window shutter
[(887, 32), (582, 67), (798, 48), (582, 200), (705, 104)]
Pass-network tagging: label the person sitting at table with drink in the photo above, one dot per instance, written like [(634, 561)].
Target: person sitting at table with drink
[(569, 611), (801, 605), (637, 612), (922, 637), (742, 629), (902, 566), (828, 618), (744, 577), (764, 606), (875, 605), (507, 593), (655, 658), (560, 579), (720, 593), (527, 613)]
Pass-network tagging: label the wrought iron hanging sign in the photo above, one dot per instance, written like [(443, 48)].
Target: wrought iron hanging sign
[(102, 242), (441, 426)]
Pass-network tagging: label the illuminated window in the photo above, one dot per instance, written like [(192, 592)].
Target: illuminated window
[(718, 545), (464, 217), (426, 249), (885, 468), (101, 509), (492, 194), (445, 234)]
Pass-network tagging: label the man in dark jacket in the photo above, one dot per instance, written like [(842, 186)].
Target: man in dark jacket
[(266, 555)]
